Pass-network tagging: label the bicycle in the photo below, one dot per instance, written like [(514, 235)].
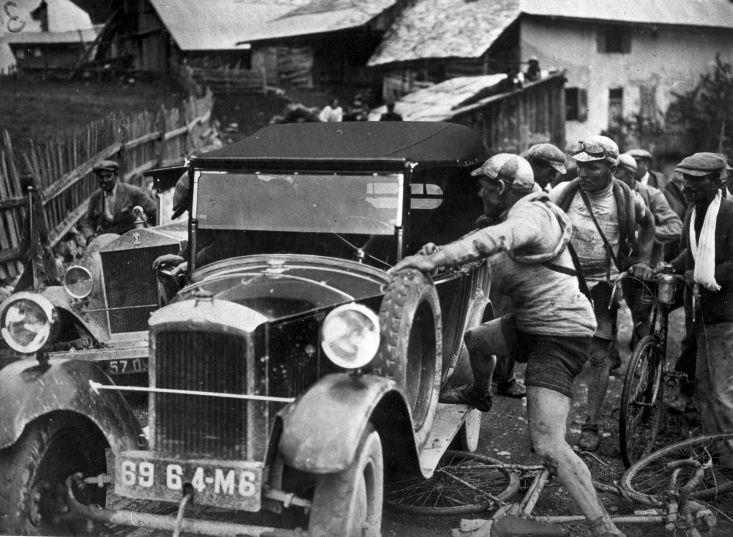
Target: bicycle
[(683, 484), (647, 373)]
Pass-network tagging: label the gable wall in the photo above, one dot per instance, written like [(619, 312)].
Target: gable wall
[(668, 59)]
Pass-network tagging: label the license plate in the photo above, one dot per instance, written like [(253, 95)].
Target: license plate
[(226, 484), (126, 366)]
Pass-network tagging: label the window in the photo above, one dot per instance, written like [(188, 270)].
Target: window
[(576, 104), (615, 106), (614, 39)]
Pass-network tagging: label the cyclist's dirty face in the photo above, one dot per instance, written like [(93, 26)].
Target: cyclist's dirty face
[(595, 175), (700, 190), (106, 179), (491, 193)]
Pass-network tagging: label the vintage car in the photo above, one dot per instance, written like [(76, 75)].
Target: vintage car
[(103, 303), (291, 371)]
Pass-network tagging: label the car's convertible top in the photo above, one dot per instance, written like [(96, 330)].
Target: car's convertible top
[(391, 144)]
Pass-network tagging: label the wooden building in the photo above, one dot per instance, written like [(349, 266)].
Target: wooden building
[(622, 59), (44, 33), (302, 42)]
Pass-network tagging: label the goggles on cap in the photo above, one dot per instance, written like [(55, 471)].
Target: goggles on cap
[(594, 149)]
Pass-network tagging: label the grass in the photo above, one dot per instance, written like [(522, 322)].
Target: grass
[(32, 109)]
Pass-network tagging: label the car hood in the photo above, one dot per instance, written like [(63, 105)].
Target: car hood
[(277, 286)]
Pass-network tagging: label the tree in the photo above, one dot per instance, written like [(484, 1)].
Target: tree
[(706, 112)]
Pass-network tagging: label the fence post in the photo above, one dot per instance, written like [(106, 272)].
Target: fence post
[(263, 72), (162, 126)]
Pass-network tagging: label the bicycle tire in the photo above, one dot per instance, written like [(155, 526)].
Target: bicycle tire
[(641, 401), (441, 494), (648, 479)]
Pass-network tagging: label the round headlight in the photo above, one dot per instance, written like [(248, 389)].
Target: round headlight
[(350, 335), (78, 282), (27, 321)]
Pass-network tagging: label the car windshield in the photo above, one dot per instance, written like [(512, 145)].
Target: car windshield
[(317, 203)]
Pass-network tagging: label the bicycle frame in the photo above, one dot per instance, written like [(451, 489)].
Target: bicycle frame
[(680, 512)]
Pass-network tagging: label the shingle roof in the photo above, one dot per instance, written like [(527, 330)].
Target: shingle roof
[(218, 24), (710, 13), (466, 29), (444, 29), (438, 102), (229, 24), (85, 35), (321, 16)]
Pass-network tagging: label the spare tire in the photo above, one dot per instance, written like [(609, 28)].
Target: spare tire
[(411, 348)]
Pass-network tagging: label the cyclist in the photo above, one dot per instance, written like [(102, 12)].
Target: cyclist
[(553, 322), (606, 215)]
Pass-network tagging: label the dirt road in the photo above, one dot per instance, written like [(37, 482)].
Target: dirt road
[(504, 436)]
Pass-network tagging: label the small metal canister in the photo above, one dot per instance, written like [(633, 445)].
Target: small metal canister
[(665, 288)]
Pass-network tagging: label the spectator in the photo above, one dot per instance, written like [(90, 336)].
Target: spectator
[(331, 112), (390, 114), (605, 214), (707, 263), (533, 71), (667, 228), (552, 324), (644, 175), (547, 162), (111, 206)]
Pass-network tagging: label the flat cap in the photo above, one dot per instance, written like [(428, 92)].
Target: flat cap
[(550, 154), (627, 161), (109, 165), (596, 148), (640, 153), (701, 164), (512, 169)]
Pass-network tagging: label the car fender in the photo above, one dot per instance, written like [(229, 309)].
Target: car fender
[(61, 299), (29, 390), (322, 429)]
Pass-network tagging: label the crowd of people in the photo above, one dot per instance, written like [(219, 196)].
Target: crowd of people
[(558, 235)]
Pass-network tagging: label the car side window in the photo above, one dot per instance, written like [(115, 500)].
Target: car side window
[(444, 205)]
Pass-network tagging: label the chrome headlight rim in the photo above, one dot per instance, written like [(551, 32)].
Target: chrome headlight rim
[(370, 346), (44, 336), (67, 285)]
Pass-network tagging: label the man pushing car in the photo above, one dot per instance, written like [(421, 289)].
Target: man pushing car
[(551, 324)]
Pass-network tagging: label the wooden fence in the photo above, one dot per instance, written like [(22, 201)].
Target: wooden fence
[(61, 168), (511, 122), (224, 79)]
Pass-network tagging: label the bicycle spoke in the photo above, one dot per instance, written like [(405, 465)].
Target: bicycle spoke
[(462, 483)]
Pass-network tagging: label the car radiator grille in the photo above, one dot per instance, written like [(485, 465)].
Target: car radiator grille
[(214, 362), (129, 284), (195, 424)]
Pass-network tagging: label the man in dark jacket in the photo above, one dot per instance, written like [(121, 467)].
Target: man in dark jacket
[(707, 263), (644, 174), (111, 206)]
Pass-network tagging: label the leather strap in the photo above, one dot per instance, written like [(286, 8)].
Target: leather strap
[(577, 272), (606, 244)]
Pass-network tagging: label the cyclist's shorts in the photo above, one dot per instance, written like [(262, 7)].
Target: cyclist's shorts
[(553, 362)]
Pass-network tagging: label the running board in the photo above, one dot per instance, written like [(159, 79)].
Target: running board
[(448, 421)]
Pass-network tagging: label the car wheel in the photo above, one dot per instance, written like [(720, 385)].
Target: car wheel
[(411, 350), (349, 503), (33, 472)]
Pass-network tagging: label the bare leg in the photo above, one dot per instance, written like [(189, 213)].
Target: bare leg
[(482, 363), (599, 368), (547, 413)]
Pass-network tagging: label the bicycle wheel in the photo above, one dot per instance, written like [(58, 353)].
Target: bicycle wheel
[(641, 401), (459, 486), (648, 480)]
